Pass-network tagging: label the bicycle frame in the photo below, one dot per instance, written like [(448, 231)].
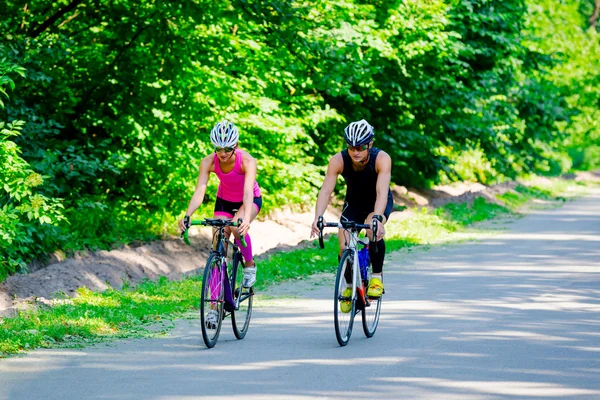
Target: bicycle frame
[(355, 300), (220, 291), (364, 299), (219, 248), (352, 246)]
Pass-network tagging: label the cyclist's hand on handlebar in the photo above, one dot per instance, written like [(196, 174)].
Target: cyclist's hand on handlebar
[(243, 228), (184, 224), (315, 228), (380, 229)]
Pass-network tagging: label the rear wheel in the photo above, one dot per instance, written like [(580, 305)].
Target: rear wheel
[(344, 305), (370, 315), (240, 317), (211, 303)]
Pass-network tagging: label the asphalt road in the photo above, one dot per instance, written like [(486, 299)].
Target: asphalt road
[(513, 316)]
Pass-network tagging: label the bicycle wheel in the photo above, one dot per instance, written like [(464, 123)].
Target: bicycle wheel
[(212, 300), (344, 307), (240, 317), (370, 315)]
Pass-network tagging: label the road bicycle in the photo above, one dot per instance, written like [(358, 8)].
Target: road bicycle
[(352, 281), (222, 289)]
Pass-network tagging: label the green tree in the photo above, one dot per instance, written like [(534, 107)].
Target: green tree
[(27, 218), (118, 97)]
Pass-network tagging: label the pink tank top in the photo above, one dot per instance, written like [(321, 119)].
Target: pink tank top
[(231, 187)]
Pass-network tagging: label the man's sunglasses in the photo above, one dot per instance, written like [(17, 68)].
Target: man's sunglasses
[(223, 149), (359, 148)]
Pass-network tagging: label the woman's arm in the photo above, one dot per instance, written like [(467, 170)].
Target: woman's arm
[(206, 167)]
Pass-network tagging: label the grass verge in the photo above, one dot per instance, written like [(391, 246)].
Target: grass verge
[(150, 308)]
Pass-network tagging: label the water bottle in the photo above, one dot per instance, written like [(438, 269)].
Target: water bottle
[(363, 262)]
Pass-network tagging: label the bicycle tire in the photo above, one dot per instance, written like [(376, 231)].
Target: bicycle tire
[(240, 317), (212, 298), (343, 321), (370, 315)]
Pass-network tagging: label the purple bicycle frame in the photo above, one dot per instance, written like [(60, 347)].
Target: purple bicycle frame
[(215, 286)]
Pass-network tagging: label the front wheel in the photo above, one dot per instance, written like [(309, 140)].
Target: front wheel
[(344, 304), (240, 316), (211, 302)]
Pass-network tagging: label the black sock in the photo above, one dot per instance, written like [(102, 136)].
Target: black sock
[(377, 258)]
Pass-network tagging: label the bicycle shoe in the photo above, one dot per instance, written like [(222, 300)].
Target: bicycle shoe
[(249, 277), (212, 319), (346, 305), (375, 288)]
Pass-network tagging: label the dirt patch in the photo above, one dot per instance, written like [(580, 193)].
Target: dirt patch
[(102, 269), (460, 192), (171, 258), (283, 230)]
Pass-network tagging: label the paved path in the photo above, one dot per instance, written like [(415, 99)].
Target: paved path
[(515, 316)]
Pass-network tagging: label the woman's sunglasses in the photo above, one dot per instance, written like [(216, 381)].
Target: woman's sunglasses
[(223, 149), (358, 148)]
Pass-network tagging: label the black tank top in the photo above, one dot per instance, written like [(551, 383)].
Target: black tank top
[(361, 186)]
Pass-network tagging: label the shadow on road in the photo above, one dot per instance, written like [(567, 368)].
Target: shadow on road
[(514, 316)]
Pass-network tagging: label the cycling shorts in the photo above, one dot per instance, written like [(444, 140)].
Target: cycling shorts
[(226, 208), (359, 213)]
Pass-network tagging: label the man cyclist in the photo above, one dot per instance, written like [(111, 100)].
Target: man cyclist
[(367, 172), (238, 189)]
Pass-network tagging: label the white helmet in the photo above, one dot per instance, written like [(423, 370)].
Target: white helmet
[(358, 133), (224, 134)]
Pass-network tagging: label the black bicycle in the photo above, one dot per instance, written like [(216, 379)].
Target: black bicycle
[(222, 291)]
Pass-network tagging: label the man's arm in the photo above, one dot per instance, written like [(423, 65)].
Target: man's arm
[(383, 167), (335, 168)]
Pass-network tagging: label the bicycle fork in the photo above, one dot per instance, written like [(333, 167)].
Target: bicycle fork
[(358, 287), (215, 285)]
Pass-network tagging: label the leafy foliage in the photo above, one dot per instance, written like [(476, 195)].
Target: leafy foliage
[(117, 98), (562, 34), (27, 217)]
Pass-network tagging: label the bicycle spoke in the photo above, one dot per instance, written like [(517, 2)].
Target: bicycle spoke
[(370, 316), (344, 305), (211, 304), (243, 297)]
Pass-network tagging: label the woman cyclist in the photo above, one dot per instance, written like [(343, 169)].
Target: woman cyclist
[(238, 189), (367, 171)]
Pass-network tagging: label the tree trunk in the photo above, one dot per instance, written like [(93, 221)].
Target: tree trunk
[(593, 20), (47, 23)]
